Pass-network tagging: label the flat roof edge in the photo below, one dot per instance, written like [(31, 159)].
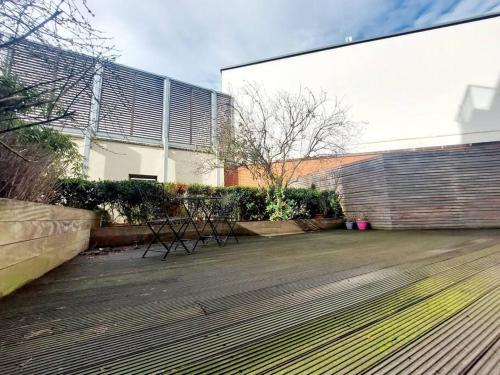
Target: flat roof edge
[(329, 47)]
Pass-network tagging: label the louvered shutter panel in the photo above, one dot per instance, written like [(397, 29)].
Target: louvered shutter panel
[(67, 76), (117, 100), (179, 130), (224, 111), (201, 118), (33, 65), (190, 115), (76, 74), (148, 106)]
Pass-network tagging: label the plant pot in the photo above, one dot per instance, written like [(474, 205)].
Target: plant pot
[(349, 225), (362, 224)]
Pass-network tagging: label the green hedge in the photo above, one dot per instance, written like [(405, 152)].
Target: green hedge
[(126, 198)]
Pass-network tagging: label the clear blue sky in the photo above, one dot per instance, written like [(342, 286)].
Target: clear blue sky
[(192, 39)]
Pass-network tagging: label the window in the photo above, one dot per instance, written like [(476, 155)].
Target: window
[(142, 177)]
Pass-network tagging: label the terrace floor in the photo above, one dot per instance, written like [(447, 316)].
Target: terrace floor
[(327, 302)]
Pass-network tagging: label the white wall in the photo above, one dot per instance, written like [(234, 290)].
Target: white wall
[(184, 166), (116, 160), (432, 88), (113, 160)]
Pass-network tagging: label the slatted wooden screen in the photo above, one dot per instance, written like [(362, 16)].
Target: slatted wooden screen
[(64, 76), (190, 115), (455, 187), (131, 103)]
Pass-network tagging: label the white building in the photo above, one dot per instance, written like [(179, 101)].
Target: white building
[(129, 124), (431, 87)]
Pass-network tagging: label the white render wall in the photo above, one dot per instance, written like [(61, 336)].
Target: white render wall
[(115, 160), (431, 88)]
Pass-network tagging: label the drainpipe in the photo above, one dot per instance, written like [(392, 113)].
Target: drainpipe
[(214, 130), (165, 125), (94, 116)]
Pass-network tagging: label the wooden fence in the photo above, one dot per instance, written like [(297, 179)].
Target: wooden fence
[(35, 238), (452, 187)]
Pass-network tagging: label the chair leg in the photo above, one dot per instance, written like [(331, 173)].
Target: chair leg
[(231, 233), (178, 236), (166, 254), (155, 237)]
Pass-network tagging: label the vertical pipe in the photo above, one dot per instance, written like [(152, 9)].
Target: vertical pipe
[(213, 135), (95, 105), (165, 125)]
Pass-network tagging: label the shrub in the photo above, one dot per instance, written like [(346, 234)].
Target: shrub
[(135, 201), (32, 160), (278, 206), (252, 201), (307, 202)]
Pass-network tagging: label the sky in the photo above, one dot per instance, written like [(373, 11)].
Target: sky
[(191, 40)]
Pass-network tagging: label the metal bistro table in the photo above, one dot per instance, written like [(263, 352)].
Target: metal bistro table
[(177, 225), (201, 210)]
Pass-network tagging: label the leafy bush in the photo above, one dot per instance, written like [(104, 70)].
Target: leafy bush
[(278, 206), (32, 160), (252, 201), (135, 201)]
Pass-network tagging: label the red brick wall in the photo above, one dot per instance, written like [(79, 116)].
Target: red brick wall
[(243, 178)]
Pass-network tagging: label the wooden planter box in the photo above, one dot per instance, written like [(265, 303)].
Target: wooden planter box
[(125, 235), (35, 238)]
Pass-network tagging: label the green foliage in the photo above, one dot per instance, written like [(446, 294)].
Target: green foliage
[(307, 202), (18, 101), (137, 200), (56, 143), (15, 101), (278, 206), (199, 189), (331, 202), (252, 201)]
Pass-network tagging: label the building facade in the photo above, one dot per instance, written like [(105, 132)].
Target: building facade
[(426, 88), (129, 124), (428, 107)]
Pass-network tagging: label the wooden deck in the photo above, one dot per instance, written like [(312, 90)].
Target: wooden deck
[(331, 302)]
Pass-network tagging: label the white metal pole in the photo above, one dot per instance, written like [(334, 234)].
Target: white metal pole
[(214, 132), (95, 105), (165, 125)]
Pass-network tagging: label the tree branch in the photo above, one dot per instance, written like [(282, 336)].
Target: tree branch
[(19, 39)]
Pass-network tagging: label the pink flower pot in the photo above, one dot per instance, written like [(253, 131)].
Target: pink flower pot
[(362, 224)]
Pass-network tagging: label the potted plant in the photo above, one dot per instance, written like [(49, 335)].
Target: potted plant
[(349, 222), (362, 221)]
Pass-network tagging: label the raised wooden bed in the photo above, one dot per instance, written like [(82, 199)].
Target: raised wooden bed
[(124, 235), (35, 238)]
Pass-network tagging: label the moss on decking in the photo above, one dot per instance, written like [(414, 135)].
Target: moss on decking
[(328, 302)]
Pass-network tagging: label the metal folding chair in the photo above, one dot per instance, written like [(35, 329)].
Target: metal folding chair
[(226, 213), (204, 208), (159, 218)]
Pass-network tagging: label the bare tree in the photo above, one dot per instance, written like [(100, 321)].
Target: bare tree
[(49, 54), (56, 37), (273, 134)]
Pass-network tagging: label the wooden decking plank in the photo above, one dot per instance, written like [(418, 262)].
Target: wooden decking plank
[(365, 348), (260, 302), (446, 342), (223, 340), (52, 342), (303, 338)]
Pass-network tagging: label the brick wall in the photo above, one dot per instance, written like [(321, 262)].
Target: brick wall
[(243, 178)]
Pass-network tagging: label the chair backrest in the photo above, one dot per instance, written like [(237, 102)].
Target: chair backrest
[(228, 206), (156, 202)]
